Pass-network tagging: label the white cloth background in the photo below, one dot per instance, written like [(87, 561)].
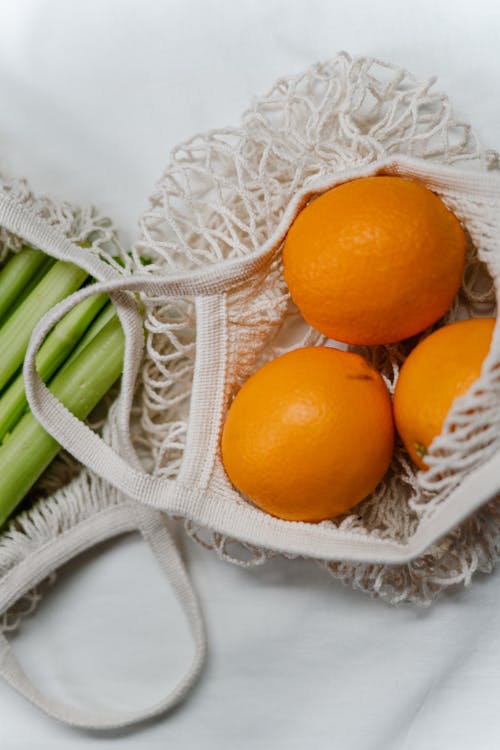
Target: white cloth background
[(92, 97)]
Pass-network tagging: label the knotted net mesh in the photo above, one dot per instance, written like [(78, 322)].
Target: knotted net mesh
[(221, 196)]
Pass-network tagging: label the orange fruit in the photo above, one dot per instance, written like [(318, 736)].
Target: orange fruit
[(374, 260), (310, 434), (441, 367)]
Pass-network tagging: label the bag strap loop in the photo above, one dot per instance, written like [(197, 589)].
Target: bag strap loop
[(104, 525)]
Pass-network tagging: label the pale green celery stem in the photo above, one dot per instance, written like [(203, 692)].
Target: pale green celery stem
[(36, 278), (60, 281), (80, 385), (105, 316), (58, 345), (16, 276)]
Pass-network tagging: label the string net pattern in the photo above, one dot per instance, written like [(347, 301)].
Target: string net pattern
[(66, 493), (221, 197)]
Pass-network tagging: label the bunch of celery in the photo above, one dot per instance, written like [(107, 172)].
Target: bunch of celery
[(80, 360)]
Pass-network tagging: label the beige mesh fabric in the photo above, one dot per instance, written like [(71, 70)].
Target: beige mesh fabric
[(216, 308), (222, 196)]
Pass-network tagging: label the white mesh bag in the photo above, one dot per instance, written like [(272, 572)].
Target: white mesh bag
[(215, 307)]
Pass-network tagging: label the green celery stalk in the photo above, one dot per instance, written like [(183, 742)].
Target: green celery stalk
[(80, 385), (16, 275), (104, 317), (58, 345), (35, 279), (62, 279)]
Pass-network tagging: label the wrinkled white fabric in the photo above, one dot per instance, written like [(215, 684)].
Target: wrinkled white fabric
[(433, 687)]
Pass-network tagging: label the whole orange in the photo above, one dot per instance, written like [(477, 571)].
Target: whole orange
[(310, 434), (374, 260), (441, 367)]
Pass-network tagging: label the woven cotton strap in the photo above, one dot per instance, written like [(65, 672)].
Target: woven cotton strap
[(171, 496), (104, 525), (217, 511)]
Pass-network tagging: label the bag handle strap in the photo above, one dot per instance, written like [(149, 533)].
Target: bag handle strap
[(104, 525), (70, 432), (160, 492)]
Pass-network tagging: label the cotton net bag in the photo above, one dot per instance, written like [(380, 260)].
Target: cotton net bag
[(214, 307), (218, 216)]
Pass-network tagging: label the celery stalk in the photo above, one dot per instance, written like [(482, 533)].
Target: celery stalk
[(35, 279), (104, 317), (80, 385), (58, 345), (16, 274), (62, 279)]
